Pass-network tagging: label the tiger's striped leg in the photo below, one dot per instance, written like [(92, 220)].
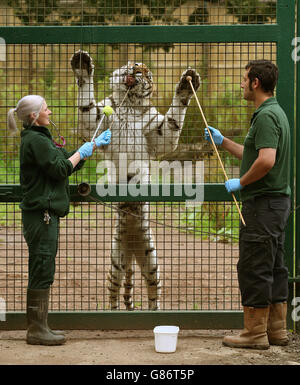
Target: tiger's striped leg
[(117, 270), (133, 236), (122, 259), (128, 284), (147, 260)]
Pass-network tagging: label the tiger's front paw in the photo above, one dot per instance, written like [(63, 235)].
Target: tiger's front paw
[(184, 87), (82, 66)]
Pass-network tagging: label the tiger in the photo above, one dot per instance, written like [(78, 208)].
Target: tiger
[(140, 133)]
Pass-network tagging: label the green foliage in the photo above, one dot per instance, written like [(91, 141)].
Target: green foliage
[(252, 11), (10, 215), (224, 230), (10, 169), (9, 174), (143, 12), (199, 16), (215, 222), (155, 9), (33, 12)]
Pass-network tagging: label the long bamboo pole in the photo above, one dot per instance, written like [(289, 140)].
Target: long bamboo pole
[(189, 79)]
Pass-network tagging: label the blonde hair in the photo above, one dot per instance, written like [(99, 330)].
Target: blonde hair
[(25, 106)]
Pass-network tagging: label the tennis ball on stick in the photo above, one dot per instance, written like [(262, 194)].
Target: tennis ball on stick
[(107, 110)]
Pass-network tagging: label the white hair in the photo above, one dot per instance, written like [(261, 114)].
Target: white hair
[(25, 107)]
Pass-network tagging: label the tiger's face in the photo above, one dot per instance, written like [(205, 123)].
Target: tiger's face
[(133, 76)]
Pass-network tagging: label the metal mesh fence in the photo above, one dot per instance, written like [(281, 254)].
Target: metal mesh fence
[(138, 12), (197, 247), (197, 273)]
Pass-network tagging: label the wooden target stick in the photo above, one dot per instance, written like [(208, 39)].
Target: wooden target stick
[(189, 79)]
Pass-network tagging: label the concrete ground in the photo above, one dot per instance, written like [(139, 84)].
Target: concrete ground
[(136, 347)]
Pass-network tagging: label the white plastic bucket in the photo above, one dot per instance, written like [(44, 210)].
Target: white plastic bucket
[(165, 338)]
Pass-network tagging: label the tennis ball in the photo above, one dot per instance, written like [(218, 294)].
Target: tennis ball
[(107, 110)]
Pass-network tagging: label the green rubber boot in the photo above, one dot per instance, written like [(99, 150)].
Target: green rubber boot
[(38, 332)]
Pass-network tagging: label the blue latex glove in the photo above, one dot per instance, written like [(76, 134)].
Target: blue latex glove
[(232, 185), (103, 139), (216, 135), (86, 150)]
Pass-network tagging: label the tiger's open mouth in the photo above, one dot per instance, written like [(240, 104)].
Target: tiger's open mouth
[(130, 81), (137, 74)]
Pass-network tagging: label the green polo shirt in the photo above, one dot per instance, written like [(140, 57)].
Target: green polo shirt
[(269, 129)]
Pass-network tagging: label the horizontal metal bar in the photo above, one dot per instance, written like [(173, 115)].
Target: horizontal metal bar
[(10, 193), (295, 279), (213, 192), (139, 320), (140, 34)]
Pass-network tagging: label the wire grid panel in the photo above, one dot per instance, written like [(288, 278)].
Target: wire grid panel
[(197, 271), (134, 12), (196, 247)]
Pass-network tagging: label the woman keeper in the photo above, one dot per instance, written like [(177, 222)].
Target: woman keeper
[(44, 172)]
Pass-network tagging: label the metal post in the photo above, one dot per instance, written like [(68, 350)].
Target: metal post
[(285, 91), (297, 173)]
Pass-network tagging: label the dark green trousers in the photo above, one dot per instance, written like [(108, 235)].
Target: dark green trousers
[(262, 273), (42, 242)]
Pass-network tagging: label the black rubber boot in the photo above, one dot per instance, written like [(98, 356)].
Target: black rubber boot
[(38, 332)]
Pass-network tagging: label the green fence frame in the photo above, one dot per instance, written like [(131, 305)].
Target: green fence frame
[(297, 173), (281, 33)]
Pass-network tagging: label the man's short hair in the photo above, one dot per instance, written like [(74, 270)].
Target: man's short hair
[(265, 71)]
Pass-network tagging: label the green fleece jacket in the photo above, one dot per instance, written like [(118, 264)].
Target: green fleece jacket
[(44, 172)]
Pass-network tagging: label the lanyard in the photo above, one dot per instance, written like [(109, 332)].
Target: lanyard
[(60, 137)]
